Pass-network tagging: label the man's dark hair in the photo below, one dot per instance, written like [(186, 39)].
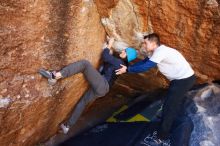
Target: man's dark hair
[(153, 37)]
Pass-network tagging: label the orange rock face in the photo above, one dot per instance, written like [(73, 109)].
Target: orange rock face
[(192, 27), (52, 34), (48, 34)]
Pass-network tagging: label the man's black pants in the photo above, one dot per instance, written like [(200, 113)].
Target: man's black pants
[(173, 104)]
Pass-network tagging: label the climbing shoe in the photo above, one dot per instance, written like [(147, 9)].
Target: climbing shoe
[(50, 75), (64, 128)]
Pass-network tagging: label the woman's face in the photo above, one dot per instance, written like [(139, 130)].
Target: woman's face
[(123, 54)]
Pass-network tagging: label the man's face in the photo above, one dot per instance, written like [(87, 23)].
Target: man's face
[(148, 45)]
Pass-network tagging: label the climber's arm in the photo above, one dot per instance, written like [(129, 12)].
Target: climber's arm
[(108, 58)]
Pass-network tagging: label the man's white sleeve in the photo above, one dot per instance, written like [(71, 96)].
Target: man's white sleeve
[(158, 56)]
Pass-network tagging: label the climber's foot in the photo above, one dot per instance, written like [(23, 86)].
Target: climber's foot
[(50, 75), (65, 128)]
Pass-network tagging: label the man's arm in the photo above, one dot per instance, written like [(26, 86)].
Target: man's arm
[(141, 67), (140, 62), (136, 69)]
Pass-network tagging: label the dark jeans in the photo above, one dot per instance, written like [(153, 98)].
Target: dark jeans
[(173, 104), (181, 131), (98, 86)]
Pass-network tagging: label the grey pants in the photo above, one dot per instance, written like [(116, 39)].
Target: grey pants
[(98, 86)]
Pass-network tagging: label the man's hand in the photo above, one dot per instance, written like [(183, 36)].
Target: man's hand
[(122, 70)]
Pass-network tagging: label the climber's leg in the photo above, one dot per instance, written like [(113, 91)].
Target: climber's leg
[(87, 98), (98, 88), (97, 82)]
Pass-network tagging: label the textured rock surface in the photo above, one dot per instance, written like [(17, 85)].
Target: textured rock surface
[(54, 33), (47, 34), (192, 27)]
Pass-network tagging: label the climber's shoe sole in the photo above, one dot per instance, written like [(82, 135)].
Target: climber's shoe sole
[(45, 73)]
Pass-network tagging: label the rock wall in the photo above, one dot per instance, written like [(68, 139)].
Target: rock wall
[(54, 33), (42, 34), (192, 27)]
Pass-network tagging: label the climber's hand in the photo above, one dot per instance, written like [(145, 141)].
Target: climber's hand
[(104, 46), (122, 70), (110, 43)]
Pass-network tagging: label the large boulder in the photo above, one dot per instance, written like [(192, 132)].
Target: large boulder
[(53, 33), (42, 34)]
